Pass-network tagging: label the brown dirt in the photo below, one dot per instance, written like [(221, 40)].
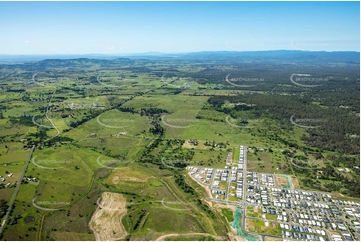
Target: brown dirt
[(106, 222), (295, 182), (189, 234), (273, 239), (117, 179), (281, 181), (234, 237)]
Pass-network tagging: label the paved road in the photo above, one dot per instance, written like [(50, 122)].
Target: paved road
[(228, 184), (299, 208), (263, 236), (16, 190), (244, 208), (46, 114), (33, 78)]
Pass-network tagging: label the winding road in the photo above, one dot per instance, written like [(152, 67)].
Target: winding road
[(46, 114)]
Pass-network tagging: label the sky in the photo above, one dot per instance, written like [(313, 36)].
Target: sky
[(176, 27)]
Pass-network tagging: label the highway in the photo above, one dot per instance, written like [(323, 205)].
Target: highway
[(16, 190)]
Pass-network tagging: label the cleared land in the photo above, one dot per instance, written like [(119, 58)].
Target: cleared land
[(106, 221), (260, 226)]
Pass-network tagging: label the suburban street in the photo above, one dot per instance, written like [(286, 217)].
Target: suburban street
[(298, 214)]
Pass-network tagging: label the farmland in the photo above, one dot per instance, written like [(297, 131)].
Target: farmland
[(113, 139)]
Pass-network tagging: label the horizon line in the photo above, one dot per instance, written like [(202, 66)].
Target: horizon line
[(176, 53)]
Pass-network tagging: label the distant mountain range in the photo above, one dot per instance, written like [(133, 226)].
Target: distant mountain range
[(347, 57)]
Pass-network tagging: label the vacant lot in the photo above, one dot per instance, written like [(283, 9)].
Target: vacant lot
[(260, 226), (107, 219), (295, 182), (284, 181), (259, 162)]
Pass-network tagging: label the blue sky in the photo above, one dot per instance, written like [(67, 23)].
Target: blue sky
[(174, 27)]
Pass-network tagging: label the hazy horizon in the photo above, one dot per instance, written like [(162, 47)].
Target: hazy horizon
[(126, 28), (155, 53)]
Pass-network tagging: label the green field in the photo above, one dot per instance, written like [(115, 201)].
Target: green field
[(129, 126), (228, 213), (259, 226)]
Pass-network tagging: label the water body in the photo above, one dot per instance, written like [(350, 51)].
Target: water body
[(236, 224)]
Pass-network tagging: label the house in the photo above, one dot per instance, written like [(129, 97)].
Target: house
[(10, 175)]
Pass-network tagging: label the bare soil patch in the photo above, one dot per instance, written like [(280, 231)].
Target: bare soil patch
[(273, 239), (106, 222), (295, 182), (281, 181), (117, 179), (188, 234)]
